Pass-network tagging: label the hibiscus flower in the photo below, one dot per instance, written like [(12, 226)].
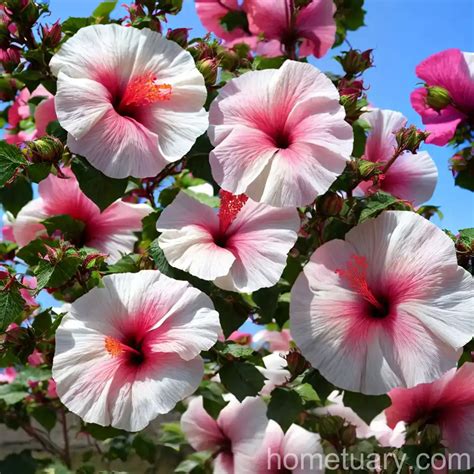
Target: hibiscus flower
[(386, 307), (131, 100), (129, 351)]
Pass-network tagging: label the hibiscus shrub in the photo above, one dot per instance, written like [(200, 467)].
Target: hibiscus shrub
[(233, 239)]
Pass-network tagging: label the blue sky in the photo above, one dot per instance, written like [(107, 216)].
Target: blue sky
[(402, 33)]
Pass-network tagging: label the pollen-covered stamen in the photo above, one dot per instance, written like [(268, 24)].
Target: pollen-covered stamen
[(355, 274), (144, 90), (115, 348), (229, 208)]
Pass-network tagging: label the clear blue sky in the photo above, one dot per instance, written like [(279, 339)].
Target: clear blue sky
[(402, 33)]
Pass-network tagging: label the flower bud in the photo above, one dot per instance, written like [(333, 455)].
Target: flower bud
[(349, 435), (437, 97), (297, 364), (330, 426), (410, 138), (330, 204), (229, 59), (208, 68), (179, 35), (10, 58), (355, 62), (46, 149), (51, 35), (431, 436)]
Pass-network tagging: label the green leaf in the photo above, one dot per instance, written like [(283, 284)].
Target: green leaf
[(466, 236), (171, 435), (74, 24), (376, 204), (242, 379), (212, 399), (54, 276), (465, 179), (307, 392), (70, 228), (127, 264), (17, 463), (284, 407), (267, 302), (319, 383), (234, 19), (102, 433), (45, 416), (39, 171), (195, 463), (145, 448), (14, 196), (211, 201), (366, 406), (237, 350), (262, 62), (95, 185), (11, 306), (54, 129), (11, 158), (104, 9), (360, 138), (12, 393), (231, 314), (33, 252)]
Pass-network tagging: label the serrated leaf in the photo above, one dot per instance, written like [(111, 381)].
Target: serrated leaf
[(322, 387), (237, 350), (54, 276), (11, 306), (376, 204), (96, 186), (14, 196), (71, 229), (11, 158), (241, 379)]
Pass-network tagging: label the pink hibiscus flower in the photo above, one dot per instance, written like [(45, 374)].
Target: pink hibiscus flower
[(239, 428), (242, 248), (275, 341), (297, 451), (124, 95), (8, 375), (212, 12), (453, 71), (20, 110), (412, 176), (312, 26), (448, 403), (386, 307), (7, 227), (111, 232), (279, 135), (129, 351)]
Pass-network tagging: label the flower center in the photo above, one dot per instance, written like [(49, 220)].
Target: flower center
[(229, 208), (144, 90), (355, 274), (130, 349)]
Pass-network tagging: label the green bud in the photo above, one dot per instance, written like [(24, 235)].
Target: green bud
[(208, 68), (438, 97), (45, 149)]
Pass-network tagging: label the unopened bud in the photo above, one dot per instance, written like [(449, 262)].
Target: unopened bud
[(437, 97), (179, 35), (351, 87), (51, 35), (349, 435), (410, 138), (10, 58), (431, 436), (330, 204), (330, 426), (366, 168), (297, 364), (208, 68), (46, 149), (355, 62), (229, 59)]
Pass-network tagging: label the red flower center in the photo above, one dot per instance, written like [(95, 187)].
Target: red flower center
[(355, 274), (144, 90), (229, 208), (129, 348)]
